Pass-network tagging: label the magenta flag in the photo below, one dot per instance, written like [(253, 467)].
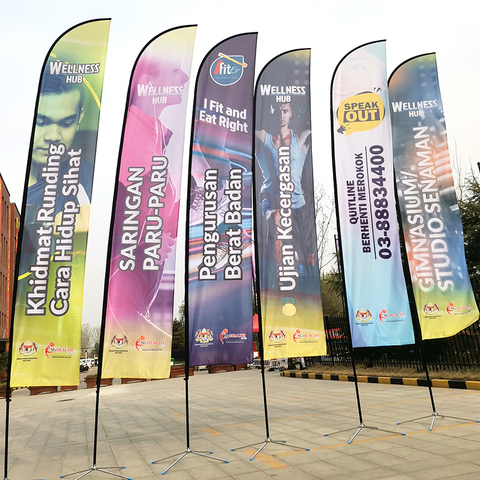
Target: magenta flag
[(139, 308)]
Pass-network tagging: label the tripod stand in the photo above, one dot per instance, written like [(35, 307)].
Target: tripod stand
[(267, 429), (187, 450), (361, 425), (434, 415), (94, 467)]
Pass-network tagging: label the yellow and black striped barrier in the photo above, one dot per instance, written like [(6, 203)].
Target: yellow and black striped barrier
[(419, 382)]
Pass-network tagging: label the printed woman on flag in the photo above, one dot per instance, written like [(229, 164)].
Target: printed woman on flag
[(156, 85)]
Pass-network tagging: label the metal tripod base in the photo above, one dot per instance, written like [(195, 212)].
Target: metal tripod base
[(187, 451), (95, 468), (434, 415), (265, 443), (360, 428)]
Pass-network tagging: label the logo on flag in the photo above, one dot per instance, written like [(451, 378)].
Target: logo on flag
[(276, 336), (305, 337), (363, 111), (227, 69), (119, 341), (391, 317), (204, 336), (51, 349), (148, 345), (430, 308), (27, 348), (233, 337), (363, 316), (452, 309)]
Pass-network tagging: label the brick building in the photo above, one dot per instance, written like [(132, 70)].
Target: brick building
[(9, 225)]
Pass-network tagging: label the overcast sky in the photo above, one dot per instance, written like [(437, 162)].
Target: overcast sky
[(28, 28)]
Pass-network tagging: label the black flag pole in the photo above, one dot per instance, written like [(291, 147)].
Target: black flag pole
[(188, 449), (256, 290), (429, 89), (50, 84), (95, 467), (361, 425), (419, 343)]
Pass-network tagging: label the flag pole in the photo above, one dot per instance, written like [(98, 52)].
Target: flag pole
[(256, 288), (187, 339), (187, 374), (262, 357), (95, 467), (188, 449), (361, 425), (419, 343)]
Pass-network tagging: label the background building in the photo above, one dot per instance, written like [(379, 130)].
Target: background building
[(9, 225)]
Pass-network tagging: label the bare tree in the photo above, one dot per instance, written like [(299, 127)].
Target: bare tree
[(331, 284), (324, 210), (90, 338)]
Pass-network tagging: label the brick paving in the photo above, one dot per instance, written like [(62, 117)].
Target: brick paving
[(51, 435)]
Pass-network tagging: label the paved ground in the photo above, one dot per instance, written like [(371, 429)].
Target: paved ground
[(52, 434)]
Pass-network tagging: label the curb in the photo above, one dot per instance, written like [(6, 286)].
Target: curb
[(417, 382)]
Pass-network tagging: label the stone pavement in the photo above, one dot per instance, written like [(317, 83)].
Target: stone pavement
[(52, 434)]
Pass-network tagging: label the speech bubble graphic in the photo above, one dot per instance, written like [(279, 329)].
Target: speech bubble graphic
[(363, 111)]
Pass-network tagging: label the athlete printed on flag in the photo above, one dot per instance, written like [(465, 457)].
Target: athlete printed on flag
[(141, 274), (288, 272), (59, 115), (145, 137), (271, 141)]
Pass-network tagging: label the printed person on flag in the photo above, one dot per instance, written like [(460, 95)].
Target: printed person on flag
[(270, 143), (147, 138), (54, 230), (59, 114)]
